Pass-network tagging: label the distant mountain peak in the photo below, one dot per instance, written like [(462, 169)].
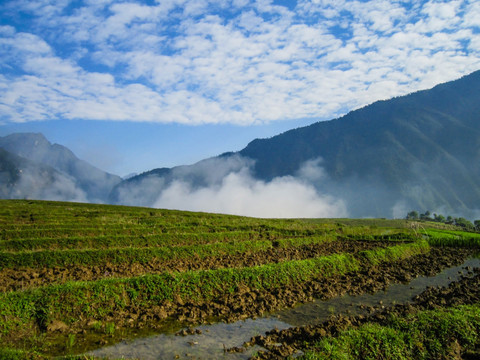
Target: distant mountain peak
[(27, 136), (35, 147)]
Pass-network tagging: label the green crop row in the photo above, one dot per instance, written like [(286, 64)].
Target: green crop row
[(103, 241), (400, 236), (101, 230), (451, 234), (28, 212), (11, 354), (393, 253), (130, 253), (57, 235), (432, 334), (77, 230), (462, 242), (452, 238), (70, 301), (20, 214), (51, 258), (94, 300), (14, 354)]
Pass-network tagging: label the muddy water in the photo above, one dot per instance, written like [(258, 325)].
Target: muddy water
[(318, 311), (213, 339), (210, 344)]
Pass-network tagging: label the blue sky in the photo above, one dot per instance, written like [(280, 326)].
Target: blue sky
[(135, 85)]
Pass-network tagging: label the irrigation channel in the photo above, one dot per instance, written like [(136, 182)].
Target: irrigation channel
[(211, 341)]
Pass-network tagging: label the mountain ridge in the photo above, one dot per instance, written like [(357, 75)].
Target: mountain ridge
[(21, 178), (420, 150), (93, 182)]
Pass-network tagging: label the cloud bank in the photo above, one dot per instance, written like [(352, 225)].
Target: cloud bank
[(39, 182), (240, 194), (226, 185), (226, 61)]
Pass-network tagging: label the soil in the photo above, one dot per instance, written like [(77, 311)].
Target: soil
[(25, 278), (250, 302), (284, 343)]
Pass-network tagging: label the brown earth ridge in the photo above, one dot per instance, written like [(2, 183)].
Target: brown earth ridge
[(284, 343), (27, 277), (251, 303)]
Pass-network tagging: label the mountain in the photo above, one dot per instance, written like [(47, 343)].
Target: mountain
[(22, 178), (420, 151), (145, 189), (35, 155)]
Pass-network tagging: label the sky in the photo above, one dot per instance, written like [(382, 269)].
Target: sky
[(134, 85)]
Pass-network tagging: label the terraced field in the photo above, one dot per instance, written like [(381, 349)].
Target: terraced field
[(74, 277)]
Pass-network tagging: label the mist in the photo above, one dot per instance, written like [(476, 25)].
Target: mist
[(229, 184), (240, 194), (230, 188), (226, 185), (44, 184), (31, 167)]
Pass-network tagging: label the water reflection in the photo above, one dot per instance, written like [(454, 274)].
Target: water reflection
[(213, 339), (319, 311), (210, 344)]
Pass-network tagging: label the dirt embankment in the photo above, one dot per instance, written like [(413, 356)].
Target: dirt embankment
[(24, 278), (250, 302), (466, 291)]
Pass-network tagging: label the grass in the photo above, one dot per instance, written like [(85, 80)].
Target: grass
[(13, 354), (50, 258), (44, 234), (452, 238), (94, 300), (394, 253), (122, 240), (433, 334)]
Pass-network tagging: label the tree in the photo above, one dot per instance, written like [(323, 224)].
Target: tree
[(477, 224), (412, 215), (464, 223), (425, 216)]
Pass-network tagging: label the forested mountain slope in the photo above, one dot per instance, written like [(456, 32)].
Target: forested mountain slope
[(420, 151)]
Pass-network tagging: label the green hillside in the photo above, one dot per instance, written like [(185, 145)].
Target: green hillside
[(76, 276)]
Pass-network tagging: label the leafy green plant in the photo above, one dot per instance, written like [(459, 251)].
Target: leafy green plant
[(47, 234), (110, 328), (70, 342), (432, 334)]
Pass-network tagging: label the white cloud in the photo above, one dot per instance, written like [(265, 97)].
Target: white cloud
[(235, 191), (226, 185), (199, 61), (238, 195)]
